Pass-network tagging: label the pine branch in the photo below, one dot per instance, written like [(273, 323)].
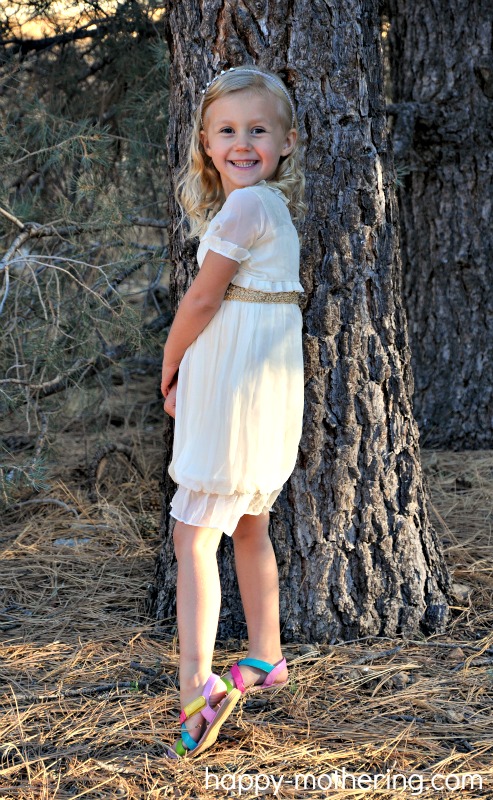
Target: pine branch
[(12, 218), (75, 374), (22, 46), (33, 230), (89, 368), (51, 148), (148, 222), (120, 278)]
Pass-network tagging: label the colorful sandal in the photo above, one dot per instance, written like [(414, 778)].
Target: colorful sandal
[(213, 716), (268, 684)]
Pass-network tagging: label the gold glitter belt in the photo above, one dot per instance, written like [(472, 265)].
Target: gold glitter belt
[(257, 296)]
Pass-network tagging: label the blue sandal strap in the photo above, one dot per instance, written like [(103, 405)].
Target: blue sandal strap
[(255, 662), (187, 740)]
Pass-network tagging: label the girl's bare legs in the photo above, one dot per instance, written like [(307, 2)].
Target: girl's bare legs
[(258, 580), (198, 599)]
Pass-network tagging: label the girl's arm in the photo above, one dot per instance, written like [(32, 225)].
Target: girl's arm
[(196, 309)]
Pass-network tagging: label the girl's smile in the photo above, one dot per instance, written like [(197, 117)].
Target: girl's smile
[(244, 164), (245, 137)]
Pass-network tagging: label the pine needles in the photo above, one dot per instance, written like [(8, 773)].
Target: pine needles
[(90, 693)]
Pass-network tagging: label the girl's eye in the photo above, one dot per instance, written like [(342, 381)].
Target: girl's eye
[(228, 130)]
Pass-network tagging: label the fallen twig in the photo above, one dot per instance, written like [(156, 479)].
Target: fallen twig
[(478, 662), (375, 656), (44, 501), (83, 691)]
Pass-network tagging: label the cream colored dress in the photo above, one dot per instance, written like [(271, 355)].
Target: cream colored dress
[(240, 393)]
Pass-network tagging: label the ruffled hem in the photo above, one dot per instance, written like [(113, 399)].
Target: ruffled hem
[(249, 282), (216, 510), (225, 248)]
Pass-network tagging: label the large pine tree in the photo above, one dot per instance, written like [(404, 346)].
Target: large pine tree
[(356, 550), (442, 113)]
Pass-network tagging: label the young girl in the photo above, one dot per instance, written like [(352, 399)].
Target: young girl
[(237, 398)]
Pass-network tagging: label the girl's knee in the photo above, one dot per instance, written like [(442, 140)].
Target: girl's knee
[(191, 540), (252, 527)]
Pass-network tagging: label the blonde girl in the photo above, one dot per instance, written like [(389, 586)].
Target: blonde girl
[(233, 381)]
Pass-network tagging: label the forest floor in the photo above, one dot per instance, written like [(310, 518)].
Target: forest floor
[(89, 692)]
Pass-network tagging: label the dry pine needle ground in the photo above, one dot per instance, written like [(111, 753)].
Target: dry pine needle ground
[(88, 683)]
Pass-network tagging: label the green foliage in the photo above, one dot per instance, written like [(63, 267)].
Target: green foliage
[(83, 114), (14, 479)]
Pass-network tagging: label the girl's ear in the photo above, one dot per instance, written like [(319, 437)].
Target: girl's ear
[(204, 140), (289, 142)]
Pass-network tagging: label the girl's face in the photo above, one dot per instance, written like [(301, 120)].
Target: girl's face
[(245, 138)]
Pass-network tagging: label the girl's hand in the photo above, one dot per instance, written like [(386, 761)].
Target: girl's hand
[(170, 402), (168, 374)]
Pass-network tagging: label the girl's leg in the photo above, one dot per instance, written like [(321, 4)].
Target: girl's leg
[(198, 599), (258, 581)]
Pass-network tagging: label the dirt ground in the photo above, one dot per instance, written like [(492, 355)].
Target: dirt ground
[(89, 690)]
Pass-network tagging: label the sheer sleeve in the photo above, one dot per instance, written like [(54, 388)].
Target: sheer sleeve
[(237, 226)]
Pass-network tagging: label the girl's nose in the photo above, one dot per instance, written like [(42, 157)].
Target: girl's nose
[(242, 141)]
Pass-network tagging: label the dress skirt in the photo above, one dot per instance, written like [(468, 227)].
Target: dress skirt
[(239, 414)]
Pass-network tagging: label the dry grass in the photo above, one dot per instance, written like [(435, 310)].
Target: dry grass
[(89, 691)]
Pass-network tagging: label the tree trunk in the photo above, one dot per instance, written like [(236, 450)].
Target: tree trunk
[(356, 552), (442, 85)]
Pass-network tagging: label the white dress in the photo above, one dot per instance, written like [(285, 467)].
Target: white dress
[(240, 393)]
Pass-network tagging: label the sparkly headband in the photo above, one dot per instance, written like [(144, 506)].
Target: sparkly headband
[(257, 72)]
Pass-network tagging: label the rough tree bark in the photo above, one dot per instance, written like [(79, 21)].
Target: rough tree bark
[(356, 551), (442, 83)]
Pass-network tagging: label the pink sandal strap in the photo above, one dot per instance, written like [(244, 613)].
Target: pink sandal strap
[(202, 703), (270, 679), (237, 677), (207, 711), (272, 670)]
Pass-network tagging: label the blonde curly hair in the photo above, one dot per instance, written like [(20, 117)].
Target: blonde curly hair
[(199, 190)]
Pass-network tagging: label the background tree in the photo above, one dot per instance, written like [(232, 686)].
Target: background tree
[(82, 189), (356, 550), (442, 90)]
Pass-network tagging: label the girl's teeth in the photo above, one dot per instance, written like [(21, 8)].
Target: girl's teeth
[(244, 163)]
